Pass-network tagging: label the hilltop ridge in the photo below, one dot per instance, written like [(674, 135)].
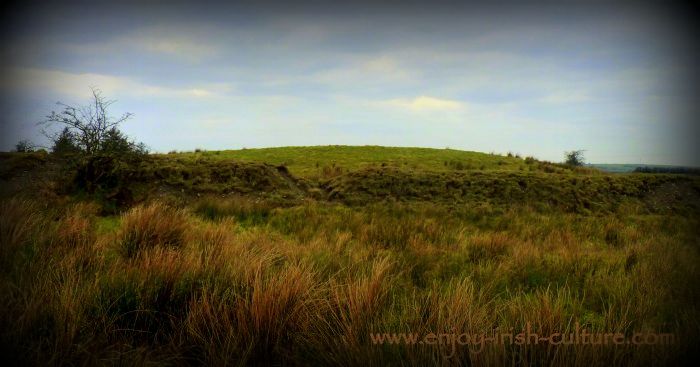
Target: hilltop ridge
[(362, 175)]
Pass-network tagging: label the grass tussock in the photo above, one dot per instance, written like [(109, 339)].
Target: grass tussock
[(152, 225), (489, 246), (18, 222), (76, 229), (243, 209)]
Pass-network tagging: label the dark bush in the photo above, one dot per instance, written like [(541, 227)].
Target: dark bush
[(24, 146), (574, 158), (65, 144)]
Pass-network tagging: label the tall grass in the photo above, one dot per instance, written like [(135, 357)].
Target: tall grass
[(307, 284), (151, 226), (18, 222)]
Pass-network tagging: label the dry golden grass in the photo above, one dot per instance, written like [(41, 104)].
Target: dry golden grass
[(18, 221), (151, 226), (306, 285)]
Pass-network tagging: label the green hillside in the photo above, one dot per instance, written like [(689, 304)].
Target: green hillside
[(314, 161), (359, 175)]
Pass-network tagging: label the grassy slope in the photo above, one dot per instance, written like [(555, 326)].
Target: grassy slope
[(245, 281), (364, 174), (308, 161), (360, 175)]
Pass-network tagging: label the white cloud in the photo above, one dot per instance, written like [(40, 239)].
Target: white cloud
[(425, 103), (190, 45), (179, 46), (77, 85), (567, 96), (381, 69)]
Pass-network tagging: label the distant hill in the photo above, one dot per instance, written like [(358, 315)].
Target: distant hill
[(645, 168)]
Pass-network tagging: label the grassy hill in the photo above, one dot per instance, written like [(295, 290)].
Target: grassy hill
[(315, 160), (357, 175)]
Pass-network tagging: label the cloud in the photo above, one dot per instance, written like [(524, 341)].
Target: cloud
[(179, 46), (77, 85), (425, 103), (189, 44), (563, 97), (380, 69)]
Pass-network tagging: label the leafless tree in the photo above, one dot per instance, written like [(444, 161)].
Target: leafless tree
[(90, 124)]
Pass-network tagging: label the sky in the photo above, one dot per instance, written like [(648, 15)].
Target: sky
[(533, 78)]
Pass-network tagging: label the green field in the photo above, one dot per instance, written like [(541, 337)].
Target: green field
[(304, 255)]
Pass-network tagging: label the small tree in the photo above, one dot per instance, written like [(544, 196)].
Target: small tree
[(89, 126), (116, 143), (575, 158), (64, 143), (100, 159), (24, 146)]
